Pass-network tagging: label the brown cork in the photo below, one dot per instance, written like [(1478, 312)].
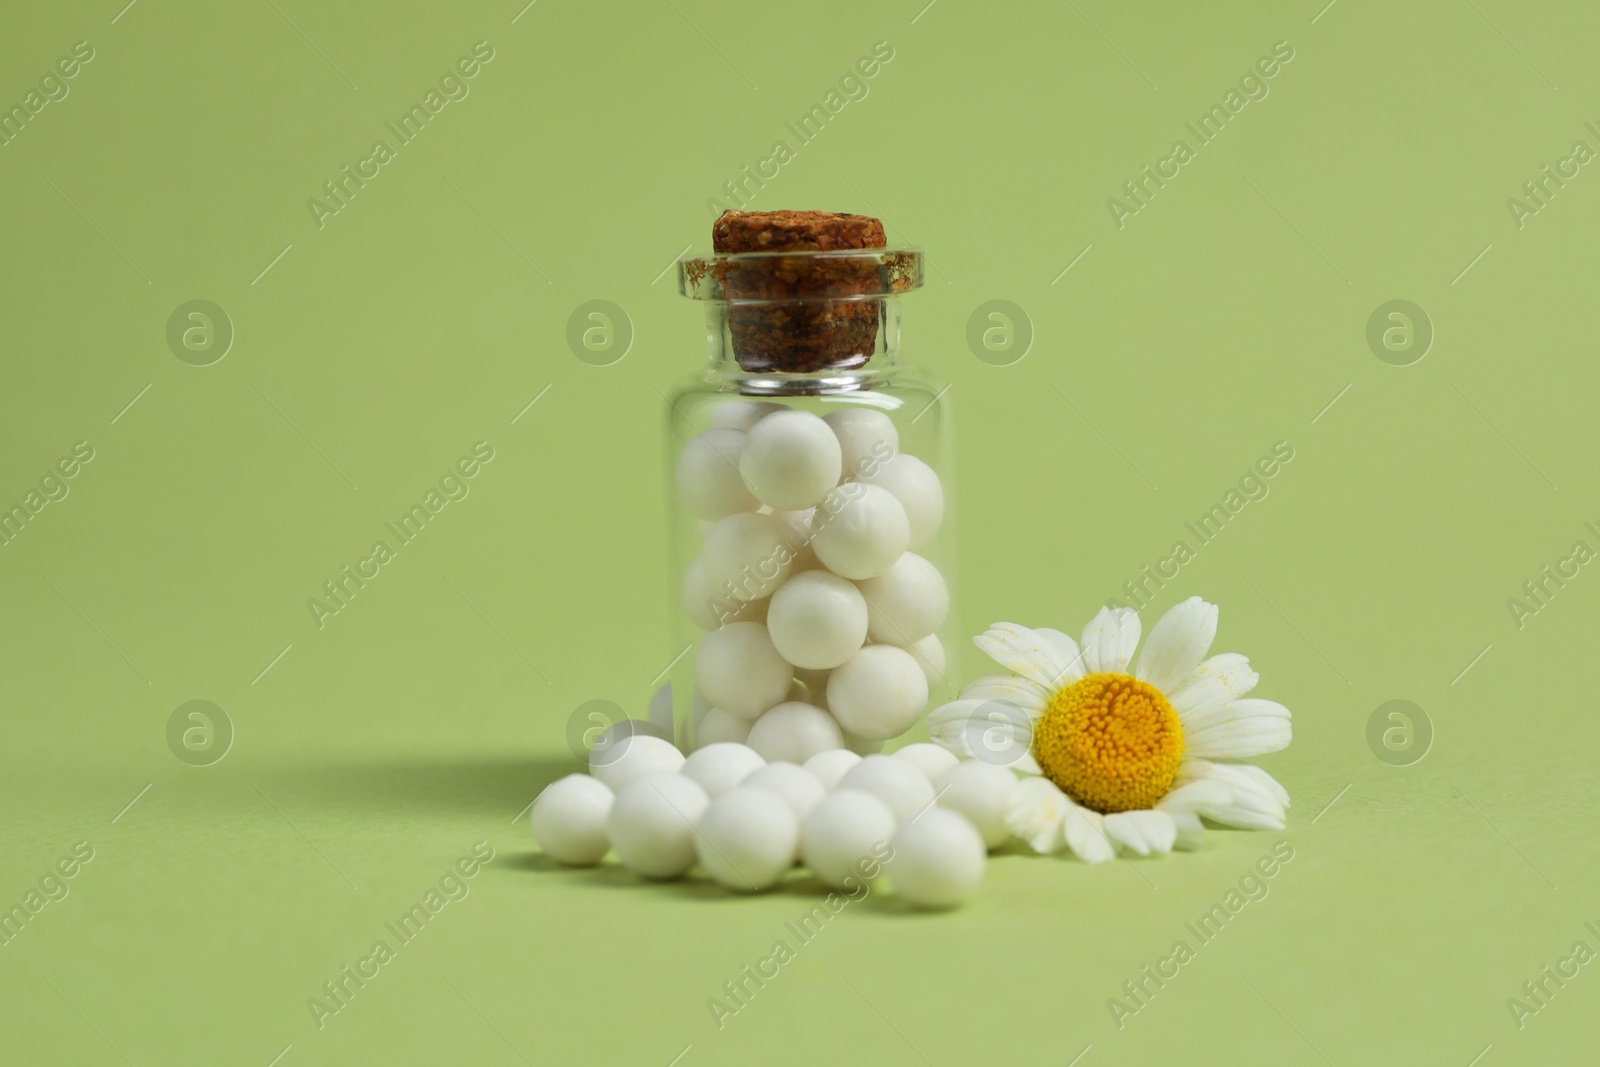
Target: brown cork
[(794, 231), (816, 318)]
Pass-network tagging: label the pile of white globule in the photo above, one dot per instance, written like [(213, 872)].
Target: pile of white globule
[(820, 614), (919, 816), (819, 646)]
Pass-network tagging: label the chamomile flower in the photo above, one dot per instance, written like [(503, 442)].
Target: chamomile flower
[(1121, 754)]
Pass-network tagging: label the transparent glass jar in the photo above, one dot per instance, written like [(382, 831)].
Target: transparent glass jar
[(756, 507)]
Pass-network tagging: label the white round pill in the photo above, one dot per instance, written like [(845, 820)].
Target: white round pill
[(569, 820), (860, 530), (818, 620), (794, 731), (917, 487), (707, 607), (651, 824), (907, 602), (790, 460), (938, 860), (828, 767), (709, 481), (982, 793), (747, 839), (932, 760), (632, 757), (877, 694), (845, 838), (797, 786), (743, 414), (746, 557), (897, 783), (721, 766), (740, 671), (718, 726), (620, 729), (929, 654), (866, 438)]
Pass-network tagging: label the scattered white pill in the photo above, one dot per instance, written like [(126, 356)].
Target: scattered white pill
[(981, 792), (860, 531), (747, 839), (718, 726), (898, 783), (929, 654), (709, 608), (651, 824), (866, 438), (845, 838), (620, 729), (790, 460), (740, 671), (632, 757), (720, 767), (907, 602), (743, 414), (818, 620), (708, 477), (932, 760), (569, 820), (794, 731), (797, 786), (917, 487), (877, 694), (746, 556), (828, 767), (938, 860)]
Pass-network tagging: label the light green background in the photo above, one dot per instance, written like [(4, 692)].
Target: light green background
[(1224, 317)]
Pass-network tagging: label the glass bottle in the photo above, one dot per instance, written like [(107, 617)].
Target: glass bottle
[(757, 505)]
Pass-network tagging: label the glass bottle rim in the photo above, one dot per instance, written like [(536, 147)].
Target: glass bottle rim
[(863, 274)]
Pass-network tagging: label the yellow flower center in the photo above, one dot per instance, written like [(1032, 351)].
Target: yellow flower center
[(1110, 741)]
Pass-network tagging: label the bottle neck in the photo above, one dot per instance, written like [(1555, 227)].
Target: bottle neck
[(823, 348)]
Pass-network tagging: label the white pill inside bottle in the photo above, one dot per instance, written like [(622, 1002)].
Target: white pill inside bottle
[(790, 460), (860, 531), (817, 620)]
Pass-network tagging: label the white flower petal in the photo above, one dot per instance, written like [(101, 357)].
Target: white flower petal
[(1023, 651), (1255, 805), (1014, 689), (1261, 779), (950, 725), (1241, 818), (1085, 834), (1254, 728), (1178, 642), (1142, 832), (994, 731), (1035, 813), (1232, 711), (1195, 794), (1191, 831), (1214, 683), (1109, 640), (1068, 652)]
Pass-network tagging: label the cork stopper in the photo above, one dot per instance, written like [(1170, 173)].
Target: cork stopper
[(794, 231), (791, 310)]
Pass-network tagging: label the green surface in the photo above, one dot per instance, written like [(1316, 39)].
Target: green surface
[(379, 749)]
